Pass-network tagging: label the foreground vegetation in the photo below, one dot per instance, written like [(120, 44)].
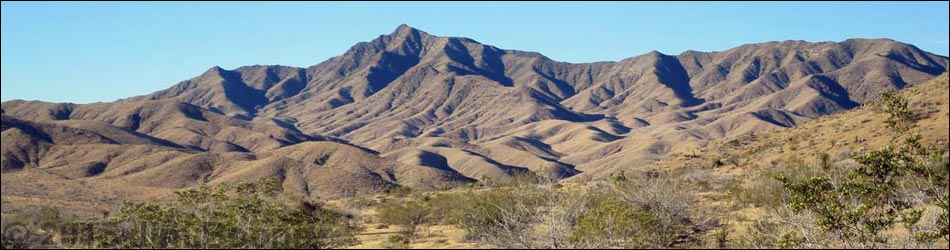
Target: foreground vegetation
[(248, 215), (894, 197)]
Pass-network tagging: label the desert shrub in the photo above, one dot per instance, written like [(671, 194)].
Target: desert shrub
[(761, 190), (493, 216), (360, 203), (770, 233), (397, 241), (482, 213), (721, 237), (824, 161), (444, 207), (899, 116), (735, 160), (651, 211), (400, 191), (666, 201), (525, 178), (716, 162), (247, 215), (485, 181), (408, 215), (858, 210), (618, 177), (944, 220), (648, 210), (610, 222), (29, 230), (444, 187), (525, 216)]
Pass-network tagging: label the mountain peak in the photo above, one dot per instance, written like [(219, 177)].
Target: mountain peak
[(404, 30), (214, 70), (403, 27), (655, 53), (405, 39)]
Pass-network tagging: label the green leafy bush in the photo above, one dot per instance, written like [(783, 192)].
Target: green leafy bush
[(899, 116), (858, 210)]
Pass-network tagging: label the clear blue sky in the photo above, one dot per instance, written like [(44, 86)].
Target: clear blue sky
[(99, 51)]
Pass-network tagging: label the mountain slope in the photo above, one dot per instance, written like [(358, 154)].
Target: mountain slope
[(837, 135), (87, 164), (461, 106), (179, 122)]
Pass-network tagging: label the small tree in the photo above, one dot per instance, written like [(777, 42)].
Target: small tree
[(899, 116), (858, 210)]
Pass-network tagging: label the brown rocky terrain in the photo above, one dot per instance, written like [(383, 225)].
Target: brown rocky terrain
[(414, 109)]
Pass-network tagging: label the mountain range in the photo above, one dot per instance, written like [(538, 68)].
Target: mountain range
[(424, 111)]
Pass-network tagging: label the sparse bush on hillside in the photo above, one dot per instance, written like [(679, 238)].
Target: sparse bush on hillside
[(824, 161), (760, 190), (444, 187), (444, 206), (496, 216), (610, 222), (716, 162), (734, 160), (400, 191), (485, 181), (397, 241), (770, 232), (360, 203), (527, 178), (899, 116), (650, 211), (520, 214), (669, 202), (618, 177), (721, 237), (408, 215), (943, 224)]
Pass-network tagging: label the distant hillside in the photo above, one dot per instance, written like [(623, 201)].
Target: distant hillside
[(837, 135), (87, 165), (414, 109)]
